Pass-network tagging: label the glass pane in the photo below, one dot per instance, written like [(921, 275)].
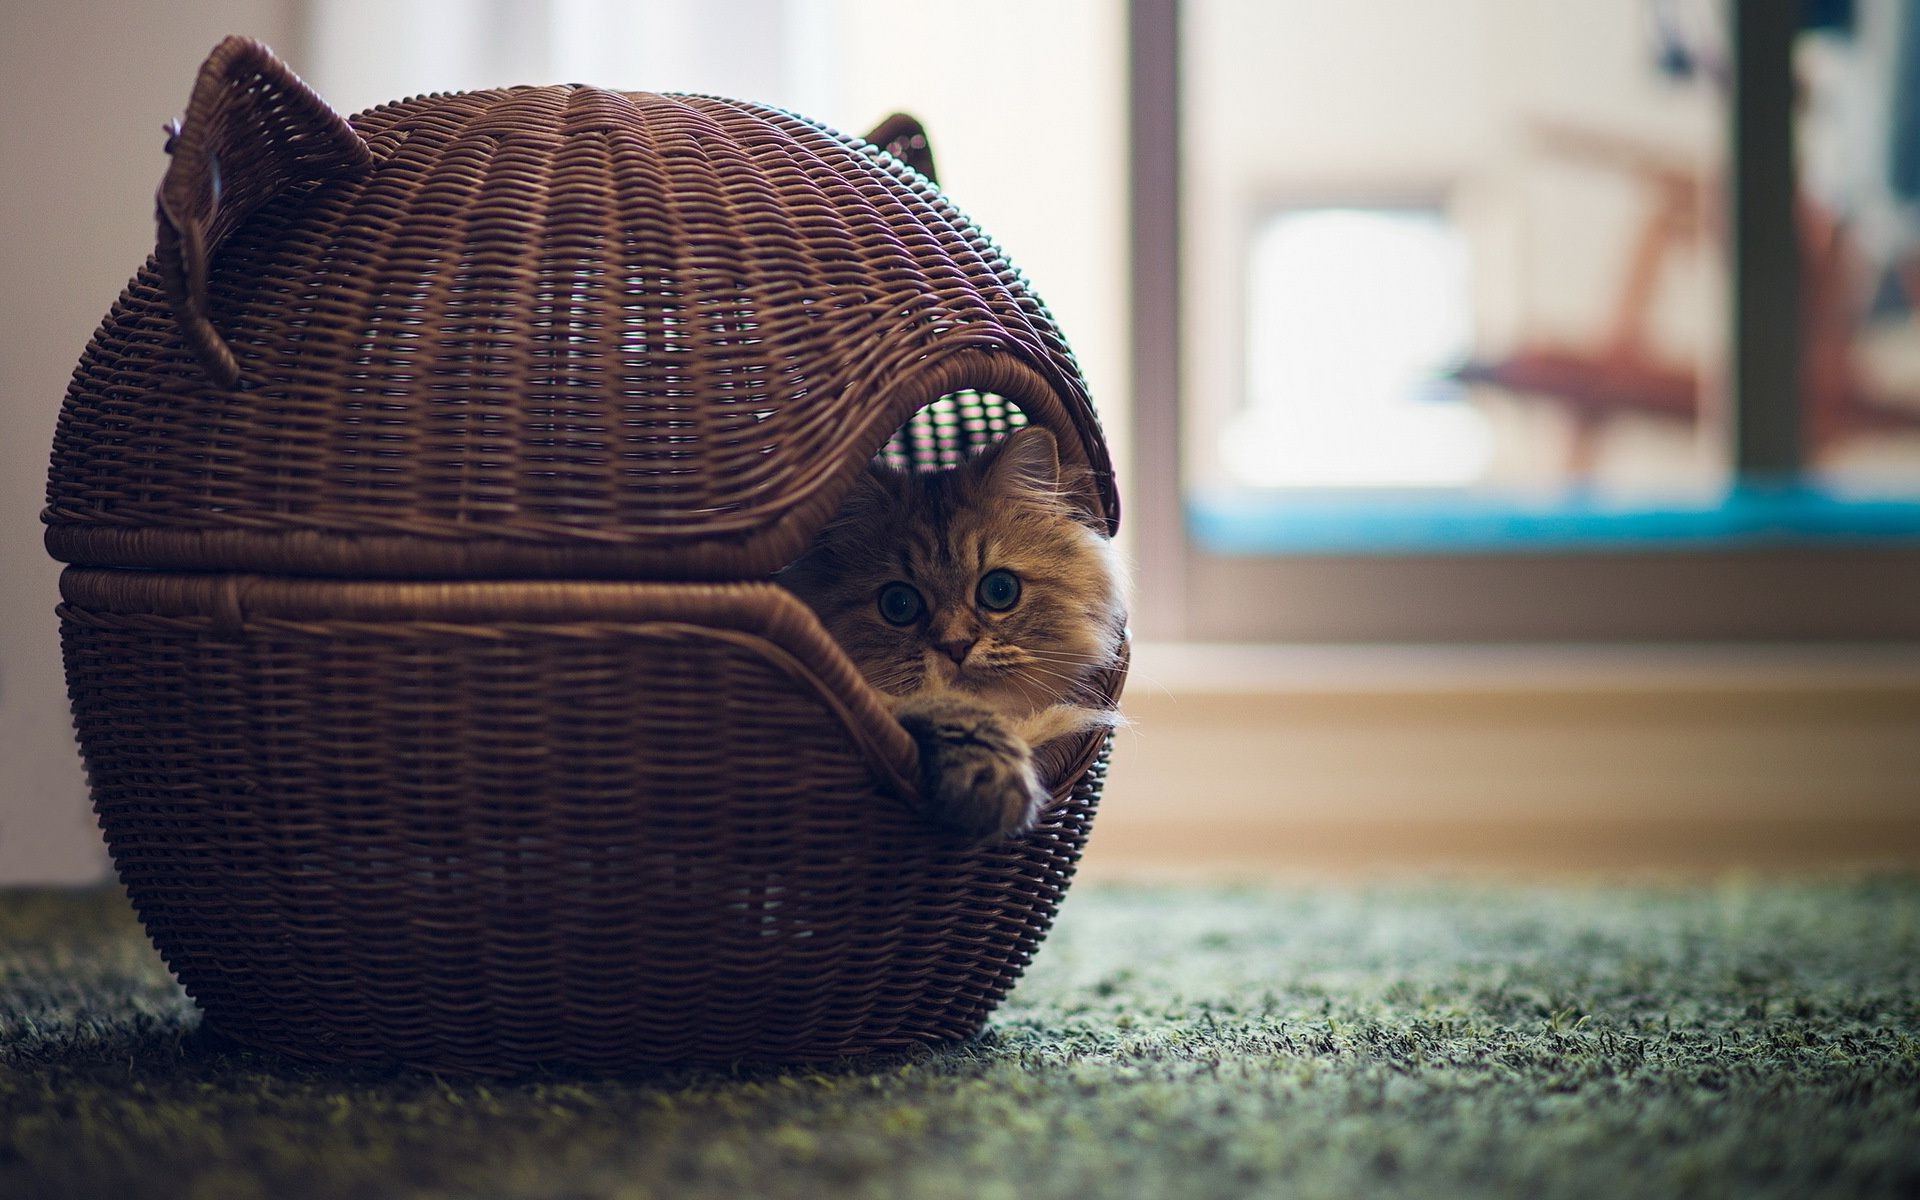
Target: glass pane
[(1451, 273)]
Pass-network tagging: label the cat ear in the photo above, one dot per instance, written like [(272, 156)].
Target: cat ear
[(873, 489), (1026, 463), (252, 129), (873, 486)]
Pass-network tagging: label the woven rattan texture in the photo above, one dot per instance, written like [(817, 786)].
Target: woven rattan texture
[(568, 352), (595, 840), (554, 331)]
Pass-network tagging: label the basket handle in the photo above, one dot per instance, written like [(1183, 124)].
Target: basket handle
[(251, 130), (906, 139)]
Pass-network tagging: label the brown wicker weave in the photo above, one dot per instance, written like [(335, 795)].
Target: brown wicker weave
[(422, 492)]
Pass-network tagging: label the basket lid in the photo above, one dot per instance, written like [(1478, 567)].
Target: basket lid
[(537, 331)]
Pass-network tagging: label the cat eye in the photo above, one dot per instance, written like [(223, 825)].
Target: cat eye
[(900, 604), (999, 590)]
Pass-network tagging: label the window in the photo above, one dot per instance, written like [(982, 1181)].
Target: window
[(1487, 327)]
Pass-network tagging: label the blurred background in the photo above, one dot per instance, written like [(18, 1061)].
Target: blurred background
[(1519, 402)]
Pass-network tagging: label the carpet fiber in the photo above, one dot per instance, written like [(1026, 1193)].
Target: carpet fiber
[(1746, 1037)]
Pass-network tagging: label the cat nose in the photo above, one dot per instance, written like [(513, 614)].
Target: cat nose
[(956, 648)]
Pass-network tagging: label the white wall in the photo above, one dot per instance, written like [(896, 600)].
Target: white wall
[(86, 86)]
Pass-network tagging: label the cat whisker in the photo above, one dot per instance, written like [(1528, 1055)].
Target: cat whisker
[(1036, 669), (1043, 669), (1062, 667), (1070, 662)]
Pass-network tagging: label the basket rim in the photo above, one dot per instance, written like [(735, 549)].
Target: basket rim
[(760, 616)]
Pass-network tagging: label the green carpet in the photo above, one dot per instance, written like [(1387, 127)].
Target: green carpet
[(1743, 1038)]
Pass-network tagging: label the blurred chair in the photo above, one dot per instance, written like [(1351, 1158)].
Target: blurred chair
[(1620, 373)]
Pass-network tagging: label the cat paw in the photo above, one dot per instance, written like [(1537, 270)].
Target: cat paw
[(976, 774)]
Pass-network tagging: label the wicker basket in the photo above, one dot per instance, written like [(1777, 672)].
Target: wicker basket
[(422, 493)]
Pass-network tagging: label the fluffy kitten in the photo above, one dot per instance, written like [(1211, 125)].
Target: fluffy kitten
[(980, 601)]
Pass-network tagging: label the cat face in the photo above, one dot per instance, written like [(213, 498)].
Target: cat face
[(980, 579)]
